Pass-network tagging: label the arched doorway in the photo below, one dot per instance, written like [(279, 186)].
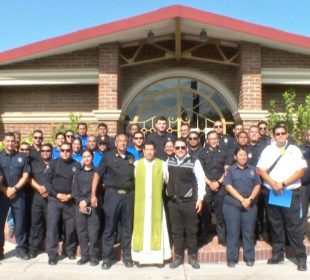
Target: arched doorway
[(180, 100)]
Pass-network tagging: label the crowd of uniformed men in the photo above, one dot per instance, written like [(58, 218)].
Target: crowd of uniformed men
[(83, 189)]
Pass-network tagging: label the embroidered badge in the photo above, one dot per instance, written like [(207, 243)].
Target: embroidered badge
[(252, 172), (20, 160), (250, 155), (73, 168), (226, 140), (130, 161)]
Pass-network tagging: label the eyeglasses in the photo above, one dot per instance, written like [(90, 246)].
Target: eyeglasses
[(70, 136), (263, 128), (192, 138), (65, 150), (24, 150), (46, 151), (138, 138), (180, 147), (38, 137), (218, 126), (280, 133)]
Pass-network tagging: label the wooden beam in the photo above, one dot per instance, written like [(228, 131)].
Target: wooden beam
[(178, 39)]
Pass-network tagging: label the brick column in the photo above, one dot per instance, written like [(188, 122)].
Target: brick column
[(108, 91), (250, 96)]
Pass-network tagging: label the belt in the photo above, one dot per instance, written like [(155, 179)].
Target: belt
[(181, 200), (121, 191)]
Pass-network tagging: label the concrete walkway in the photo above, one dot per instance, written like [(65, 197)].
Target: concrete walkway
[(14, 268)]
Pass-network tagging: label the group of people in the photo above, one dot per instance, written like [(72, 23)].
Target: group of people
[(156, 192)]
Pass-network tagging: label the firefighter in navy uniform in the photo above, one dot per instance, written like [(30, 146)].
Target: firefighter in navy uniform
[(117, 167), (58, 179), (224, 139), (214, 162), (185, 190), (242, 184), (305, 181), (39, 203), (14, 174)]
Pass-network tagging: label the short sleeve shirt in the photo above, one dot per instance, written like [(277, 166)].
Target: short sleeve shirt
[(291, 161)]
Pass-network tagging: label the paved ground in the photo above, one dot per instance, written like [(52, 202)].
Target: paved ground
[(13, 268)]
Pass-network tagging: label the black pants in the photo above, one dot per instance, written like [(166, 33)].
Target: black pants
[(216, 200), (240, 220), (87, 227), (117, 207), (288, 219), (262, 216), (56, 211), (38, 222), (19, 214), (184, 220)]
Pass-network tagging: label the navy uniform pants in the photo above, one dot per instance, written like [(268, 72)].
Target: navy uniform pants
[(305, 199), (38, 222), (18, 208), (88, 227), (184, 220), (240, 220), (56, 211), (287, 220), (216, 199), (117, 207)]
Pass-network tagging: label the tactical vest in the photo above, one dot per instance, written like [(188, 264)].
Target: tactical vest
[(182, 182)]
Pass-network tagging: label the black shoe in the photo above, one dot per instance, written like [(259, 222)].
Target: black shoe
[(33, 254), (52, 260), (82, 260), (128, 263), (194, 262), (22, 255), (162, 265), (222, 241), (302, 267), (106, 265), (94, 261), (1, 257), (177, 262), (231, 264), (71, 257), (249, 263), (275, 260)]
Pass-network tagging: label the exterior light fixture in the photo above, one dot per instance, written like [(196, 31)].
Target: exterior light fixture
[(150, 36), (203, 36)]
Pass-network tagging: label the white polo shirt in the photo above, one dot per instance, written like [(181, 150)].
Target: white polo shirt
[(291, 161)]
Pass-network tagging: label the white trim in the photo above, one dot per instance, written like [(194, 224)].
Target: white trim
[(284, 76), (206, 78), (49, 76), (251, 115), (52, 117)]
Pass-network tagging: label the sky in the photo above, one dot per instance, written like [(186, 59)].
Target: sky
[(27, 21)]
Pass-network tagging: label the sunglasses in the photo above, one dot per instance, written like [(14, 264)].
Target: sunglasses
[(70, 136), (262, 128), (180, 147), (46, 151), (24, 150), (280, 133), (218, 126), (65, 150), (193, 138), (38, 137)]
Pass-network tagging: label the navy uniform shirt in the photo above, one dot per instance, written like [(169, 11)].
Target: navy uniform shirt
[(254, 152), (243, 180), (225, 142), (12, 167), (34, 154), (305, 150), (160, 141), (58, 177), (213, 162), (195, 153), (118, 171), (82, 185), (38, 168)]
